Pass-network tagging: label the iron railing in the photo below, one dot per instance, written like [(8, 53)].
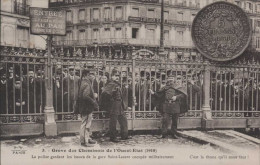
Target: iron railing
[(232, 88)]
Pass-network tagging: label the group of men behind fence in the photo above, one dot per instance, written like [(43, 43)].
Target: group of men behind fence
[(170, 100)]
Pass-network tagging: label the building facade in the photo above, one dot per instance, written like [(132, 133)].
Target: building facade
[(15, 24), (120, 24)]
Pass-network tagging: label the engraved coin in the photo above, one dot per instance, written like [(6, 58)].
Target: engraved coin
[(221, 31)]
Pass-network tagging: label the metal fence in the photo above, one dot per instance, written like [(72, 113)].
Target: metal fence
[(233, 87)]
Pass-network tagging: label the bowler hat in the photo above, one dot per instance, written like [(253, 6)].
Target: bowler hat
[(115, 72)]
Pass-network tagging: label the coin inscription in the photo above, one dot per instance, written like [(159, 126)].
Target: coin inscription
[(221, 31)]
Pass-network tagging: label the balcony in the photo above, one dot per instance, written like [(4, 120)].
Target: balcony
[(67, 2), (107, 19), (136, 19), (124, 41), (157, 20), (21, 9)]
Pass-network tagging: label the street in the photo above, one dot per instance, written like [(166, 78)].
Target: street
[(195, 147)]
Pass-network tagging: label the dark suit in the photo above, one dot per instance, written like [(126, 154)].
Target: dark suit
[(70, 88), (57, 97), (114, 101)]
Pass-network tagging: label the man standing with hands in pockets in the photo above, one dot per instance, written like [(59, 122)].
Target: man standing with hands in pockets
[(86, 103)]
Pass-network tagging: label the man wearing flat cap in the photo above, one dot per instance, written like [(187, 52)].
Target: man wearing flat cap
[(114, 101), (85, 105), (171, 101)]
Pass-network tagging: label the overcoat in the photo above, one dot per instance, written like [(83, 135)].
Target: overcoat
[(179, 92), (86, 102), (114, 98)]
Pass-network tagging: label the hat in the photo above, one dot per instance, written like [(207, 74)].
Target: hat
[(86, 72), (58, 71), (71, 67), (170, 75), (2, 71), (115, 72), (179, 76)]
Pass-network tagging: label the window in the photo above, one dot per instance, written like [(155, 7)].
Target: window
[(237, 3), (180, 36), (81, 15), (192, 16), (95, 14), (69, 16), (95, 34), (150, 13), (135, 12), (135, 32), (258, 23), (118, 33), (150, 34), (258, 8), (107, 14), (23, 36), (166, 35), (107, 33), (257, 42), (166, 15), (118, 13), (69, 35), (82, 34), (249, 6), (180, 16)]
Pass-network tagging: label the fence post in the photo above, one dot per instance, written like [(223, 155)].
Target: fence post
[(50, 127), (133, 88), (207, 122)]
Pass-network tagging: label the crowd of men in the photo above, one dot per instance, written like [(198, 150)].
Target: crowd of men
[(23, 89)]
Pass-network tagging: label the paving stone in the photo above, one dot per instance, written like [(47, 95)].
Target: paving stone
[(66, 139)]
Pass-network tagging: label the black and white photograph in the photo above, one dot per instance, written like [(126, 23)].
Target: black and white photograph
[(123, 82)]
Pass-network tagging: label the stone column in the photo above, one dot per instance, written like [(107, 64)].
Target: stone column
[(50, 127), (207, 122)]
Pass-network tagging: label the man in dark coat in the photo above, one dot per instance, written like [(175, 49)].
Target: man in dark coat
[(114, 101), (172, 101), (3, 91), (71, 87), (57, 92), (85, 105)]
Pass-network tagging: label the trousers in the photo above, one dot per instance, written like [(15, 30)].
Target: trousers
[(121, 118), (166, 118), (85, 128)]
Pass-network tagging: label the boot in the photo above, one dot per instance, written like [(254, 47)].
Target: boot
[(90, 141), (115, 140)]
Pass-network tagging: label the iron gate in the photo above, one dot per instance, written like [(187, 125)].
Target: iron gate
[(228, 98)]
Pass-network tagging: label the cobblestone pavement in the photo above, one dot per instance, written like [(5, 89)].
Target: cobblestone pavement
[(164, 151)]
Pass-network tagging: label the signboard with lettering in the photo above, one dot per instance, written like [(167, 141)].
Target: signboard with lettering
[(47, 21), (221, 31)]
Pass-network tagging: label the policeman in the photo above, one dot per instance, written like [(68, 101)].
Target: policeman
[(171, 100), (114, 101)]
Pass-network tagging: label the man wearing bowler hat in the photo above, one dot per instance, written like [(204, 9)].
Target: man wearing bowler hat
[(114, 101), (171, 101)]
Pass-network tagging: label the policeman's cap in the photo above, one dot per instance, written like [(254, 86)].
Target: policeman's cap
[(115, 72)]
